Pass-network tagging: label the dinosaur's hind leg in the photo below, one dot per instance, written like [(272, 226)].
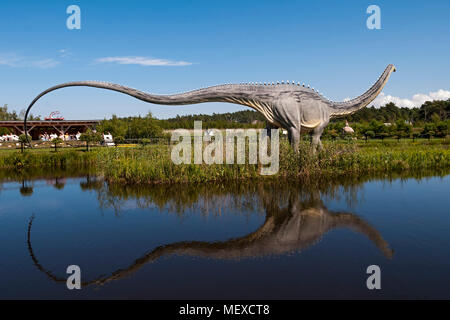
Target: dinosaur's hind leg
[(317, 132), (294, 138)]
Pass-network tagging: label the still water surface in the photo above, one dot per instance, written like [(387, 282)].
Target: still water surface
[(244, 240)]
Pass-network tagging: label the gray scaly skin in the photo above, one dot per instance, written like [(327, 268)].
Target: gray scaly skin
[(293, 107)]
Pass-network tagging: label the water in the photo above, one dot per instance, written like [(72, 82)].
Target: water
[(277, 240)]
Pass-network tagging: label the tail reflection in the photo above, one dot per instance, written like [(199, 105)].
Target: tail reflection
[(292, 228)]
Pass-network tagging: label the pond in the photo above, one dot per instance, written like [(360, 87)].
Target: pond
[(252, 240)]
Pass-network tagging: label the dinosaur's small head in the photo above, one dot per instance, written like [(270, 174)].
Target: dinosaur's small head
[(392, 68)]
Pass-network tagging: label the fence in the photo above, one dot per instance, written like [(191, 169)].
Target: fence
[(36, 144)]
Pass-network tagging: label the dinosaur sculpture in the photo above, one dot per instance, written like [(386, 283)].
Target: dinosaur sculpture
[(291, 106)]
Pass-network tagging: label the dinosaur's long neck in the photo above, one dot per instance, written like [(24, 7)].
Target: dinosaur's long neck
[(351, 106)]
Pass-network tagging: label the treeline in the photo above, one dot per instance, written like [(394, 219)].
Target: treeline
[(431, 119), (430, 111), (6, 115), (381, 130), (239, 119), (150, 127), (132, 127)]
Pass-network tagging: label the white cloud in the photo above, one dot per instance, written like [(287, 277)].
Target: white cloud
[(15, 61), (9, 61), (64, 53), (44, 64), (416, 101), (143, 61)]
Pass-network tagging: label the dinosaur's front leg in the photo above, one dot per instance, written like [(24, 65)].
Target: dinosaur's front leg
[(269, 128)]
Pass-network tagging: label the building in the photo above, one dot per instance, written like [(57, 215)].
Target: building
[(60, 127)]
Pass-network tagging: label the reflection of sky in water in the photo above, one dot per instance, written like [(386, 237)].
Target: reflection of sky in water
[(103, 232)]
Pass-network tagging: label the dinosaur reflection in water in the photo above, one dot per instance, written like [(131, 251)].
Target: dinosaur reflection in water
[(300, 223)]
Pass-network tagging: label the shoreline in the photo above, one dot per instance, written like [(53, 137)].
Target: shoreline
[(152, 164)]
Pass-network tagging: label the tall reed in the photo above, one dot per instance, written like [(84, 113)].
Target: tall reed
[(153, 164)]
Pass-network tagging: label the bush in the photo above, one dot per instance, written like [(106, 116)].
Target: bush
[(90, 137)]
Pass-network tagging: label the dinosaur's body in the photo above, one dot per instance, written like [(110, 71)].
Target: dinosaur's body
[(290, 106)]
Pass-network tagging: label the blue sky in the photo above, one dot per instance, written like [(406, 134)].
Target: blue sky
[(323, 43)]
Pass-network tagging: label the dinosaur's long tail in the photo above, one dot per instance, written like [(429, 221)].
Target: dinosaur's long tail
[(210, 94), (349, 107)]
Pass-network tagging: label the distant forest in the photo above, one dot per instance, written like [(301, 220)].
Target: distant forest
[(6, 115), (430, 120), (239, 119), (390, 113)]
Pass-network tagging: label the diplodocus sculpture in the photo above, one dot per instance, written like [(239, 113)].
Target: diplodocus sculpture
[(287, 105)]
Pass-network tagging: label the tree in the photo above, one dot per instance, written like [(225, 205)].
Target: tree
[(435, 118), (30, 116), (403, 134), (402, 130), (119, 140), (429, 130), (145, 141), (12, 115), (4, 131), (23, 140), (383, 135), (116, 126), (391, 113), (89, 137), (146, 127), (442, 128), (370, 134), (55, 142)]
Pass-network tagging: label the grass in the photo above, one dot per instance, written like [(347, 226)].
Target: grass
[(152, 163), (10, 159)]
